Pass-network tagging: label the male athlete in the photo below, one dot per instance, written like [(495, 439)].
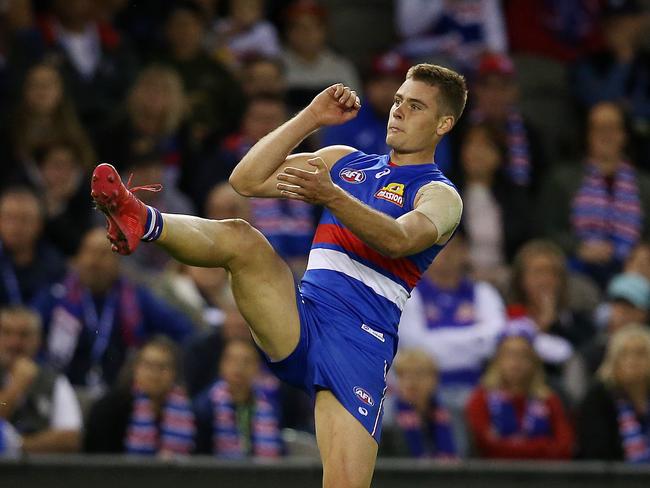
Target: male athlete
[(385, 218)]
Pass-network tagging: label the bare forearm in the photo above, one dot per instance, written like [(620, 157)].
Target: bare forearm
[(52, 441), (268, 154), (378, 230)]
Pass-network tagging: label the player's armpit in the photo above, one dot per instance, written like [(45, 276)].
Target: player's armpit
[(442, 205)]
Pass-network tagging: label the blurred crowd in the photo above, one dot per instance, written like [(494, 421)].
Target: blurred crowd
[(528, 337)]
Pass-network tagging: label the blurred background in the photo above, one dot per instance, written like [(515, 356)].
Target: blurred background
[(528, 340)]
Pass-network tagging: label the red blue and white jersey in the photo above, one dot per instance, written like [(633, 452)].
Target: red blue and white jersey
[(345, 273)]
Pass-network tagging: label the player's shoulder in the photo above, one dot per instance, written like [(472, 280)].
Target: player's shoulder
[(440, 191)]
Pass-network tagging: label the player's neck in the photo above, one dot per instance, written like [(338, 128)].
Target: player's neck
[(405, 159)]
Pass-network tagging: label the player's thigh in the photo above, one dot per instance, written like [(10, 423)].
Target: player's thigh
[(347, 449), (264, 289)]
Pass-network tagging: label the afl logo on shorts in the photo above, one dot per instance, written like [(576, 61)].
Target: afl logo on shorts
[(353, 176), (364, 396)]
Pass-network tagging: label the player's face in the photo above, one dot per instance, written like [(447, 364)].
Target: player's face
[(415, 123)]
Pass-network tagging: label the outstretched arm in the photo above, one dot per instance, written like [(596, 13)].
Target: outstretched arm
[(409, 234), (255, 175)]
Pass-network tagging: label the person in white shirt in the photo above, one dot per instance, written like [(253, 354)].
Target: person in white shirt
[(456, 320), (38, 402)]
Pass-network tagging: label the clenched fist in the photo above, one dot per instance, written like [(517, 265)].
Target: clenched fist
[(24, 372), (335, 105)]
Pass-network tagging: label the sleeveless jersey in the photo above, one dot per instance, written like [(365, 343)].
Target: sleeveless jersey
[(348, 275)]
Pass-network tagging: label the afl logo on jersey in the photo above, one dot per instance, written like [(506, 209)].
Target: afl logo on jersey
[(364, 396), (393, 193), (353, 176)]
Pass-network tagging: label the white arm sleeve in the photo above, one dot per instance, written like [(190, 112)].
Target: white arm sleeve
[(66, 412), (442, 205)]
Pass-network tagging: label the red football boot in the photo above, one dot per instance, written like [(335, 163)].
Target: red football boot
[(125, 213)]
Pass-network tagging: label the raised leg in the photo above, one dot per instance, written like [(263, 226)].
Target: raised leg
[(261, 281)]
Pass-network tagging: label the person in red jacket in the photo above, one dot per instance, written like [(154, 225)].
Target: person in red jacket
[(513, 414)]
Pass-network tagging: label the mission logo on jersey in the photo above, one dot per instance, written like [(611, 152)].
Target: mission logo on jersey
[(393, 193)]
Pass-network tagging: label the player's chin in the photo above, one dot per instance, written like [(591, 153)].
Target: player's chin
[(394, 140)]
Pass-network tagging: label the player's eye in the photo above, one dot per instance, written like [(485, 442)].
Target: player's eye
[(415, 107)]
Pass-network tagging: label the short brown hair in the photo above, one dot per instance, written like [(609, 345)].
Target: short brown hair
[(452, 86)]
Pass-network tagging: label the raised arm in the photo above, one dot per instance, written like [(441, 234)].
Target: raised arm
[(255, 175)]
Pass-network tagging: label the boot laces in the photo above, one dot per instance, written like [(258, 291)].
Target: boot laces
[(156, 187)]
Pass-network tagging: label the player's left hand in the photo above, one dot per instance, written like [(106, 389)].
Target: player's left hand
[(315, 187)]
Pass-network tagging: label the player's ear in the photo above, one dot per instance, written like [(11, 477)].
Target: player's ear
[(445, 124)]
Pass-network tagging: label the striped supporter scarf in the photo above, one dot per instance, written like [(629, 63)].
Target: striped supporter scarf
[(418, 436), (174, 435), (615, 216), (636, 442), (519, 165), (266, 440), (503, 416)]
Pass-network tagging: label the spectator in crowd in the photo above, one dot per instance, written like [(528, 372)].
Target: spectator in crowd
[(42, 113), (456, 320), (36, 400), (628, 302), (421, 426), (450, 33), (65, 190), (213, 95), (540, 288), (244, 32), (203, 353), (496, 102), (96, 61), (27, 263), (620, 70), (497, 211), (262, 115), (156, 109), (147, 413), (599, 210), (262, 75), (544, 36), (95, 316), (236, 418), (614, 419), (514, 414), (311, 65)]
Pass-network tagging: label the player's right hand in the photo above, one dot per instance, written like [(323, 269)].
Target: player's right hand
[(335, 105)]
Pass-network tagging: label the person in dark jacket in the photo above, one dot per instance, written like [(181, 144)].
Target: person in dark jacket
[(614, 420), (148, 412)]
